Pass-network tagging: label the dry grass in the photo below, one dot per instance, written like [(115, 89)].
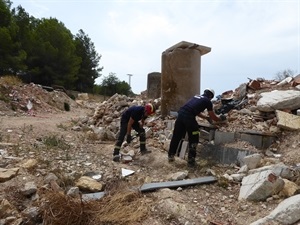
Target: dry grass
[(118, 208), (15, 197), (10, 80)]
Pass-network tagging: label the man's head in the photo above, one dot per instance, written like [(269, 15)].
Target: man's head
[(210, 93), (150, 109)]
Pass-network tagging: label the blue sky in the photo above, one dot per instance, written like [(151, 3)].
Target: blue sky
[(257, 38)]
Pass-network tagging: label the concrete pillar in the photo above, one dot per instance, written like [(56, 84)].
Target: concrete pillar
[(180, 78), (154, 85)]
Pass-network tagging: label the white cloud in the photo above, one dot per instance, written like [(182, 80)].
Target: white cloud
[(248, 38)]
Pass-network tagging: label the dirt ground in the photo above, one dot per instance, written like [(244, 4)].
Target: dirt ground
[(215, 204)]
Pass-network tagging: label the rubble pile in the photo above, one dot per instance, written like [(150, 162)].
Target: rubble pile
[(245, 108), (262, 187), (17, 98)]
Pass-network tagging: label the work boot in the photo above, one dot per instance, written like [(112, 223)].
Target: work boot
[(116, 158), (171, 158), (191, 163)]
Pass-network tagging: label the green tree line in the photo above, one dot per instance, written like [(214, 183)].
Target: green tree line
[(44, 51)]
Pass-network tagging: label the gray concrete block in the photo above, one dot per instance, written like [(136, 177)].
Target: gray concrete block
[(260, 140), (223, 137), (221, 154), (255, 140)]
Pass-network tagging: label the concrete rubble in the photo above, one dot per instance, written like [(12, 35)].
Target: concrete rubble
[(257, 111)]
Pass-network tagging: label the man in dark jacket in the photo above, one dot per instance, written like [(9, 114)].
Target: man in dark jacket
[(186, 122), (134, 117)]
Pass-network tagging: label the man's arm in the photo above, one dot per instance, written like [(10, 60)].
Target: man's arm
[(129, 126), (201, 115), (213, 116), (142, 122)]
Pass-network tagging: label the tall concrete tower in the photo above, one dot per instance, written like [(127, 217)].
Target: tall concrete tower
[(180, 74)]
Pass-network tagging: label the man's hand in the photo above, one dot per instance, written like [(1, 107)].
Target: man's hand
[(222, 117), (128, 138), (209, 120)]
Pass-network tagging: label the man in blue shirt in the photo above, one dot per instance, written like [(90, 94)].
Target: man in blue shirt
[(186, 122), (134, 117)]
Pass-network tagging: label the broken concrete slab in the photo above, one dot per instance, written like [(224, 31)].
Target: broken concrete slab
[(260, 186), (287, 212), (279, 99), (279, 169), (180, 183)]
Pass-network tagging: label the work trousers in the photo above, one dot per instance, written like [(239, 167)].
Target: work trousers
[(185, 123), (123, 130)]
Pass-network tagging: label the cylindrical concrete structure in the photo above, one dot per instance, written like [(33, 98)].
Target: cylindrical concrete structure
[(154, 85), (180, 78)]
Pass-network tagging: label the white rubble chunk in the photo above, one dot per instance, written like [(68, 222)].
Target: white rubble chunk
[(279, 99), (278, 169), (126, 172), (286, 213), (252, 161), (238, 177), (178, 176), (260, 186)]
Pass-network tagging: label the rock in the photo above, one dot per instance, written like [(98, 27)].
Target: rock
[(73, 192), (252, 161), (7, 174), (289, 188), (29, 164), (259, 186), (88, 184), (178, 176), (286, 213), (279, 99), (50, 177), (29, 189), (287, 121)]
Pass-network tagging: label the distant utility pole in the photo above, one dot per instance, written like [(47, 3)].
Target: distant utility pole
[(130, 75)]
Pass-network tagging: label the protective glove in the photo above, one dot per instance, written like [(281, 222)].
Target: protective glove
[(128, 138), (209, 120), (222, 117)]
